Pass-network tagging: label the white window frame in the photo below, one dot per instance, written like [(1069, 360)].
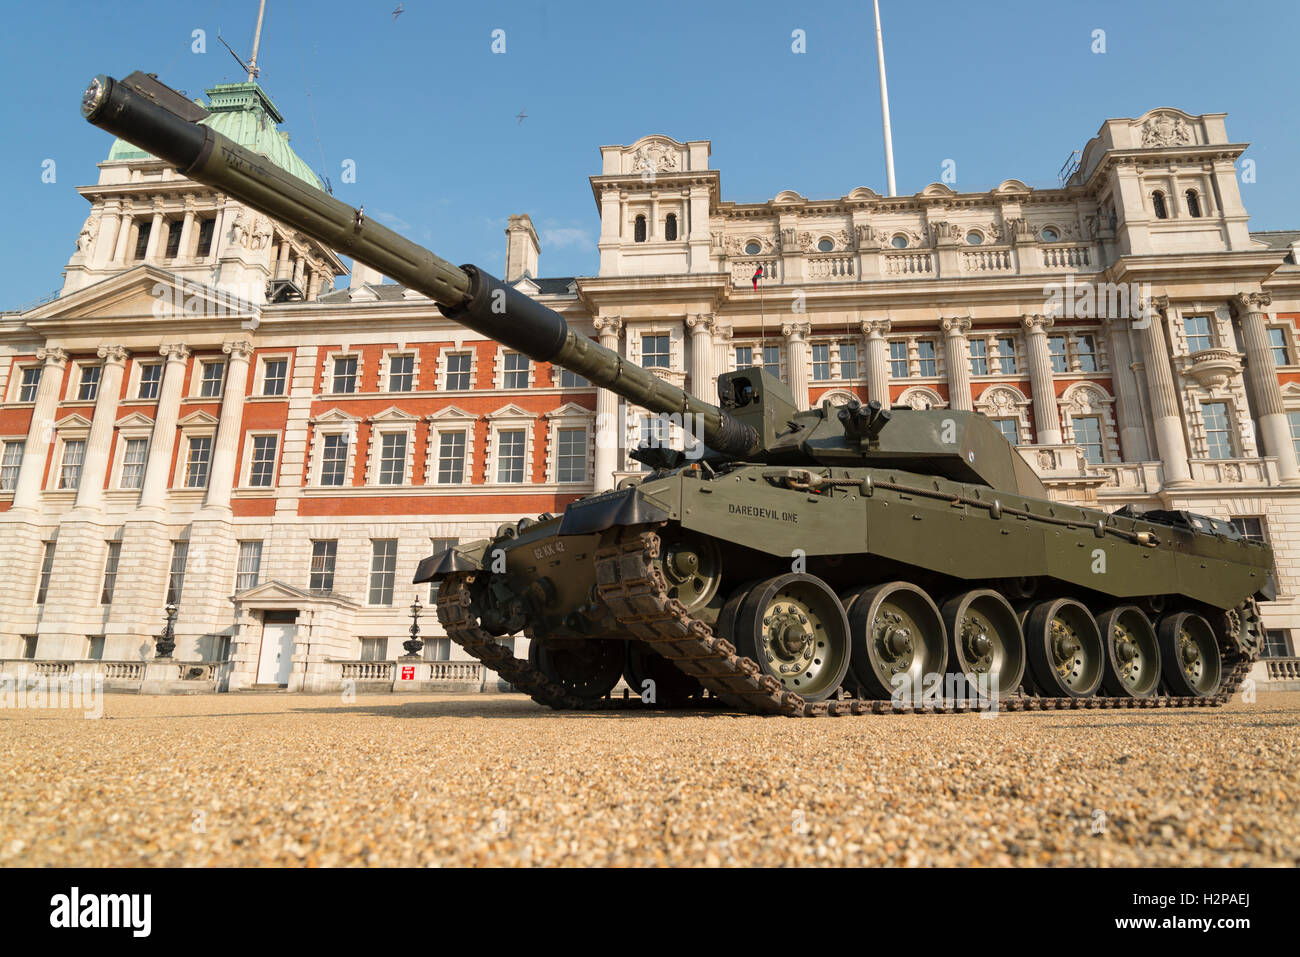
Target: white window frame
[(327, 374), (500, 377), (259, 376), (450, 419), (333, 422), (370, 573), (196, 378), (569, 416), (239, 559), (16, 379), (385, 368), (443, 354), (79, 367), (390, 420), (509, 418), (71, 428), (1232, 431), (1003, 401), (195, 425), (837, 361), (1090, 400), (1288, 342), (137, 379), (246, 464)]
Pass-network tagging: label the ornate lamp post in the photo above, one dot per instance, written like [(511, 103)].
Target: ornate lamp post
[(167, 640), (414, 645)]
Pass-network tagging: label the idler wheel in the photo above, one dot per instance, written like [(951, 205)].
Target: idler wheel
[(1065, 651), (1132, 653), (897, 638), (587, 668), (985, 638), (1189, 655), (794, 627)]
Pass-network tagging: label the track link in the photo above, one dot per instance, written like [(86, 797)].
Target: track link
[(634, 591)]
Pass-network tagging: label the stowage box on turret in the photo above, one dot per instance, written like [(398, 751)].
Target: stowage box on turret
[(843, 559)]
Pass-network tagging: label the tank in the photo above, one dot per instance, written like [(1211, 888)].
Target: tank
[(844, 559)]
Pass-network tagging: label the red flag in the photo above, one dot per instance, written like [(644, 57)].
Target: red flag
[(758, 274)]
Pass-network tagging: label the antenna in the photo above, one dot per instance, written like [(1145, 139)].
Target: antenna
[(251, 66), (884, 105)]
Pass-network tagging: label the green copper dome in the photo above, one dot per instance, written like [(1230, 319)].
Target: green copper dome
[(243, 112)]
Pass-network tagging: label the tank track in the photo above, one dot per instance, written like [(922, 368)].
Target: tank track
[(635, 593)]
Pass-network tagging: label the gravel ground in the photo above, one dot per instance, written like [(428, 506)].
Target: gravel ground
[(494, 779)]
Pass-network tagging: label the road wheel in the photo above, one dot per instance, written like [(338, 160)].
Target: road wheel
[(1189, 655), (587, 669), (794, 627), (985, 638), (670, 688), (1065, 653), (895, 631), (1132, 654)]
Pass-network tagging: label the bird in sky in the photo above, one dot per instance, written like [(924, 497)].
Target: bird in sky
[(521, 116), (399, 11)]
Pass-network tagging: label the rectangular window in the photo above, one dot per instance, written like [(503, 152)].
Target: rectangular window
[(262, 466), (458, 369), (150, 380), (654, 352), (110, 573), (1056, 348), (12, 461), (1277, 643), (213, 375), (1197, 330), (334, 459), (1218, 438), (510, 456), (1087, 354), (197, 462), (1007, 355), (173, 239), (571, 455), (898, 360), (31, 380), (571, 380), (401, 373), (772, 359), (979, 357), (275, 373), (1251, 528), (323, 554), (29, 646), (440, 545), (1292, 419), (74, 453), (206, 228), (142, 239), (437, 649), (821, 358), (345, 374), (88, 388), (96, 650), (925, 351), (176, 573), (516, 369), (1087, 433), (1277, 345), (392, 458), (133, 461), (451, 458), (250, 565), (848, 360), (374, 649), (1009, 428), (744, 357), (47, 566), (383, 570)]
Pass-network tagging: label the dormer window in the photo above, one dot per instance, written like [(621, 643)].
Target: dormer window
[(1158, 204), (670, 227), (638, 230), (1193, 204)]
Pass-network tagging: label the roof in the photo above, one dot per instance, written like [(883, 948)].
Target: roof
[(1277, 238), (392, 292), (243, 112)]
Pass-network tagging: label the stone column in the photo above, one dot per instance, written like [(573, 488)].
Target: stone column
[(187, 231), (1261, 376), (1128, 401), (609, 427), (702, 374), (282, 266), (1170, 440), (797, 356), (106, 241), (954, 335), (163, 439), (155, 237), (123, 237), (225, 449), (90, 492), (1047, 417), (877, 360), (41, 429)]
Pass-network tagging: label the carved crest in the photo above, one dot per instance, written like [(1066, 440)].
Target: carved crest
[(1164, 129)]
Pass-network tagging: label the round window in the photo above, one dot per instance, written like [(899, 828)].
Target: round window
[(974, 238), (825, 245), (752, 249), (1050, 235), (899, 241)]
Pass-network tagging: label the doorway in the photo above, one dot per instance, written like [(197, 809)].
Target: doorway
[(275, 660)]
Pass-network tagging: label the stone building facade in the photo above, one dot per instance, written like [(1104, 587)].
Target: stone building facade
[(199, 417)]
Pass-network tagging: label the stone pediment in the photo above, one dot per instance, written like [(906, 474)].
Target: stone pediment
[(937, 189), (569, 410), (277, 594), (787, 197), (1011, 186), (198, 418), (511, 411), (393, 414), (334, 417), (863, 192), (452, 413), (136, 420), (144, 292), (73, 421)]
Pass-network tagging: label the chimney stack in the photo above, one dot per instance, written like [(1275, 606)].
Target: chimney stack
[(522, 248)]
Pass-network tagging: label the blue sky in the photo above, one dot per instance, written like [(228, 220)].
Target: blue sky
[(427, 111)]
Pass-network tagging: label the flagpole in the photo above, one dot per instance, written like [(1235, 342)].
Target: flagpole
[(884, 105)]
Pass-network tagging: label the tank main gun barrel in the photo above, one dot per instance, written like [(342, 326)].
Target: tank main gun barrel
[(159, 121)]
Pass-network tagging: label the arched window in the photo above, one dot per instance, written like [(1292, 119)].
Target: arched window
[(1193, 203), (1158, 202), (670, 227), (638, 230)]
